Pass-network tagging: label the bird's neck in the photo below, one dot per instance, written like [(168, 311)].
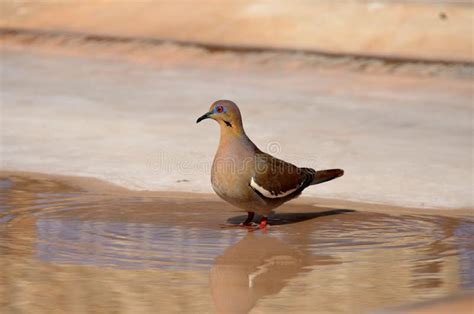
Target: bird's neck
[(232, 133)]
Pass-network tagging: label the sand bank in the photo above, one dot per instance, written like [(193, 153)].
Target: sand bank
[(304, 205), (422, 30)]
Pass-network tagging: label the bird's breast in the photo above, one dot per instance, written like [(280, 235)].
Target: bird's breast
[(230, 176)]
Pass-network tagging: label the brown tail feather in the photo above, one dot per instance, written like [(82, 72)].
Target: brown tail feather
[(326, 175)]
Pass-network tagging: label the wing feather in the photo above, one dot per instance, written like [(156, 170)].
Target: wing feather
[(275, 178)]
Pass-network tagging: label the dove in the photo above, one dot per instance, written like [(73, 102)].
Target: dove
[(250, 179)]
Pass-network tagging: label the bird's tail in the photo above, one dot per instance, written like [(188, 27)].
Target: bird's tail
[(326, 175)]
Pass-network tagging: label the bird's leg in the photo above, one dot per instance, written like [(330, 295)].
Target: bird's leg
[(263, 223), (249, 219), (246, 224)]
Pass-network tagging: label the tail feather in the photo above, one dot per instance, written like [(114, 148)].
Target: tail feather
[(326, 175)]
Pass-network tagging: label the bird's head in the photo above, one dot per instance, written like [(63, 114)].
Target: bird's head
[(226, 113)]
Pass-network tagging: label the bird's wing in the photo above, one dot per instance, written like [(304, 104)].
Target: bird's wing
[(275, 178)]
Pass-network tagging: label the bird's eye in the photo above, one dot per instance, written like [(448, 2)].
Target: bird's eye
[(219, 109)]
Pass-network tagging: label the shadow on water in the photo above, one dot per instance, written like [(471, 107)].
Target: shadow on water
[(291, 218)]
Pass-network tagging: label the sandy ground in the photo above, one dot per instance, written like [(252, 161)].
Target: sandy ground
[(439, 30), (402, 140)]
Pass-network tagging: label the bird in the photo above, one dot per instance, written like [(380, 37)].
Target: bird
[(249, 178)]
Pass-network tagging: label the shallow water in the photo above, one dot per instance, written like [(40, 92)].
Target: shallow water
[(67, 250)]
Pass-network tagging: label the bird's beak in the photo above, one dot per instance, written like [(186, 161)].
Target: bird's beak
[(204, 116)]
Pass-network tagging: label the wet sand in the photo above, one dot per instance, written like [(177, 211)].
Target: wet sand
[(80, 245)]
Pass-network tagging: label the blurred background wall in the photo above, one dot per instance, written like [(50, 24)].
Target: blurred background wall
[(421, 30)]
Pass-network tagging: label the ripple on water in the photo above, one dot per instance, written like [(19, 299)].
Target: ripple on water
[(426, 247), (130, 245)]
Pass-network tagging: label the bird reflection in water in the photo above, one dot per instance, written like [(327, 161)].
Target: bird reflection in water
[(257, 266)]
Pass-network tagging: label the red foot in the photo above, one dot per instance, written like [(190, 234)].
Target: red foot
[(263, 223)]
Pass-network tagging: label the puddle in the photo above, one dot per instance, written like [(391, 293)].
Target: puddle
[(69, 250)]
